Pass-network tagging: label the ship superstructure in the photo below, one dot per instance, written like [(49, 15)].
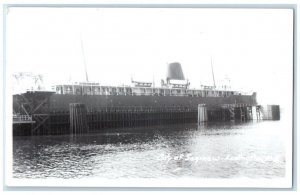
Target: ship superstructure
[(139, 88)]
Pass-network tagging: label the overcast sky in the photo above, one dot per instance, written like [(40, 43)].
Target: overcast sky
[(253, 47)]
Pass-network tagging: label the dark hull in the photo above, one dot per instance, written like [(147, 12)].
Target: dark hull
[(52, 115), (61, 102)]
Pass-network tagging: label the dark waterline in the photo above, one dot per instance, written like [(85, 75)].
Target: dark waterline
[(213, 150)]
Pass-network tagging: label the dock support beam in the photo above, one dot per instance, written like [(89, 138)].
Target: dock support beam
[(202, 113), (255, 113)]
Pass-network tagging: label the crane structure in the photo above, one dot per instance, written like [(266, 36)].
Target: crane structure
[(27, 81)]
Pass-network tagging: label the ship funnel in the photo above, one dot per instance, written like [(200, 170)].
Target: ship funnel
[(175, 72)]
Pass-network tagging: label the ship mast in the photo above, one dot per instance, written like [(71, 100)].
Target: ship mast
[(85, 68), (212, 70)]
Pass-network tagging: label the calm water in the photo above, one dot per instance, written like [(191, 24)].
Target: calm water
[(253, 150)]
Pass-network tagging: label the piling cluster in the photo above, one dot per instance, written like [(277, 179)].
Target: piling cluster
[(78, 119), (237, 112)]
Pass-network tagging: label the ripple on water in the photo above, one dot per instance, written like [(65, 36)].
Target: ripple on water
[(252, 150)]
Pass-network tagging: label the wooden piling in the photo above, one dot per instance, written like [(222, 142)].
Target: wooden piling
[(231, 113), (249, 113), (202, 113), (242, 113), (78, 119), (254, 113)]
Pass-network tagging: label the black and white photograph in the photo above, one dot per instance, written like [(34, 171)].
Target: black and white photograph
[(149, 96)]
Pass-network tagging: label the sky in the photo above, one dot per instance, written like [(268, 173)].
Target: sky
[(251, 47)]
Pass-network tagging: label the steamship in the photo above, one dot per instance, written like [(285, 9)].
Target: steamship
[(171, 93)]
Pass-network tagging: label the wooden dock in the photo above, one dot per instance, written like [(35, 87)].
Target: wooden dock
[(80, 119), (237, 112)]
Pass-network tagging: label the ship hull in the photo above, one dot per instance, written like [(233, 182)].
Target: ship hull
[(54, 114), (61, 102)]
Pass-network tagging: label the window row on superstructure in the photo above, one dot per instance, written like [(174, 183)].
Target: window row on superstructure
[(139, 91)]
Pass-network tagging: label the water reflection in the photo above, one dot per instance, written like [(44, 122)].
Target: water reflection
[(214, 150)]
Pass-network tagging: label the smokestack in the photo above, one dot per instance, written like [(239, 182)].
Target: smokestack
[(175, 72)]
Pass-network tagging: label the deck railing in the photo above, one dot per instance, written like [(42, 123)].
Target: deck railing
[(22, 118)]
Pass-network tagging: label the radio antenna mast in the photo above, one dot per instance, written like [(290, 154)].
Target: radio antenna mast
[(85, 68), (212, 70)]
